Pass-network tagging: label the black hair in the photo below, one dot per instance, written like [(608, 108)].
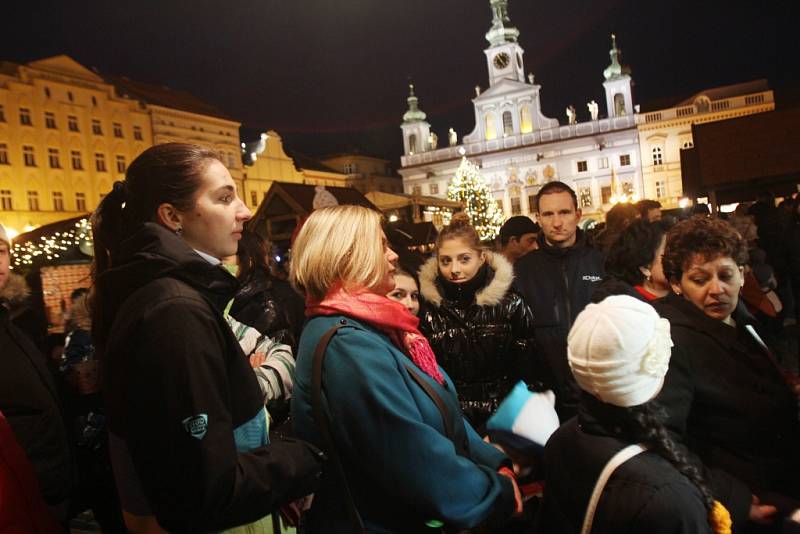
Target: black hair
[(556, 187), (645, 205), (253, 257), (635, 247)]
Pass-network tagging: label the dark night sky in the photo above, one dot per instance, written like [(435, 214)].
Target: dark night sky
[(331, 74)]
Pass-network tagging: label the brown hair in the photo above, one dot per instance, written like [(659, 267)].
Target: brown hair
[(253, 257), (707, 237), (460, 228), (556, 187)]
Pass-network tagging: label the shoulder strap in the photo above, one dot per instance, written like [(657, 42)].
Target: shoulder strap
[(323, 424), (617, 460), (449, 428)]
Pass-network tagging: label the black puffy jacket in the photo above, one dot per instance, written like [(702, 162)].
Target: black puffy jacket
[(481, 332)]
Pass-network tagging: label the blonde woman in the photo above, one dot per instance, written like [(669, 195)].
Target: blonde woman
[(408, 460)]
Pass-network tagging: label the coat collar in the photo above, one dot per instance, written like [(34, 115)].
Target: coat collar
[(489, 295)]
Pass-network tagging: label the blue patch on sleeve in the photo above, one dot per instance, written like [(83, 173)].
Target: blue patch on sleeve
[(196, 425)]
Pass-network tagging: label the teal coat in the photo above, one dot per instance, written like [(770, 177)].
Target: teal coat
[(402, 469)]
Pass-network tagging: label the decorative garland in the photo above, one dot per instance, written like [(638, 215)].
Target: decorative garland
[(51, 247)]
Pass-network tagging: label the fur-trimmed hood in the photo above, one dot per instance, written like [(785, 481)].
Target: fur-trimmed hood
[(15, 291), (489, 295)]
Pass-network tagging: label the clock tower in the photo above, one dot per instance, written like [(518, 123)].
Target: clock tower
[(504, 55)]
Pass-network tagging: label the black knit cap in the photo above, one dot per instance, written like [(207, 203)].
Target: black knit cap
[(518, 225)]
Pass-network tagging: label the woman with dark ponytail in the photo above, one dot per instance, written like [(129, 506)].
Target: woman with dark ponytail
[(187, 426), (614, 468)]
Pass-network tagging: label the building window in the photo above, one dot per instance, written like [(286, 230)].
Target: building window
[(97, 128), (350, 168), (500, 207), (94, 101), (508, 123), (72, 123), (137, 133), (50, 120), (117, 130), (70, 96), (28, 156), (627, 189), (254, 198), (516, 206), (231, 161), (100, 162), (687, 144), (47, 92), (77, 164), (661, 189), (58, 201), (52, 158), (80, 201), (33, 201), (583, 166), (658, 155), (585, 197), (25, 117), (2, 113), (605, 194), (491, 131), (531, 203), (3, 154), (625, 159), (6, 203), (525, 122), (121, 164), (434, 189), (416, 190), (602, 163)]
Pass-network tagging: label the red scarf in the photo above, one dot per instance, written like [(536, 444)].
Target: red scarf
[(388, 316)]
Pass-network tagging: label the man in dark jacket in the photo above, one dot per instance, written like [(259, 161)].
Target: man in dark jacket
[(557, 281), (28, 396)]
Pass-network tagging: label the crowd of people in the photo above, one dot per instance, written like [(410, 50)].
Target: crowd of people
[(639, 377)]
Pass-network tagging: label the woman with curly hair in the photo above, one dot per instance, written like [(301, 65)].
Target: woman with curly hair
[(726, 397)]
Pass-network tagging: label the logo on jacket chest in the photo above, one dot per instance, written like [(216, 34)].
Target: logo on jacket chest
[(196, 425), (591, 278)]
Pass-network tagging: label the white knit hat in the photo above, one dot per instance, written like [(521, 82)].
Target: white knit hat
[(619, 350), (4, 235)]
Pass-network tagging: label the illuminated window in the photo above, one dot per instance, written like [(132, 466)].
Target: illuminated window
[(33, 201), (6, 202), (412, 144), (97, 128), (118, 130), (72, 123), (52, 158), (605, 194), (661, 189), (525, 122), (100, 162), (75, 155), (625, 159), (80, 201), (585, 197), (28, 156), (25, 117), (491, 132), (50, 120), (516, 206), (58, 201)]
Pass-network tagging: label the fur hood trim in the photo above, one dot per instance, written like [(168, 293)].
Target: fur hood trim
[(490, 295), (16, 290)]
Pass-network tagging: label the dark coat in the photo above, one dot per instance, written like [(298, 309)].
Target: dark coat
[(272, 307), (727, 401), (645, 495), (184, 406), (557, 284), (481, 332), (30, 402), (401, 467)]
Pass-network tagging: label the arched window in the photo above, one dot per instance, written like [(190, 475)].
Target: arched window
[(412, 143), (491, 130), (658, 155), (508, 123), (619, 104), (525, 122)]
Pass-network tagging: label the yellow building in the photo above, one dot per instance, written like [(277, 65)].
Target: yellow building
[(65, 137), (267, 162), (67, 134), (663, 133), (366, 173)]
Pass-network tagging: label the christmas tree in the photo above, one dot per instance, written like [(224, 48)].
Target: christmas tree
[(469, 188)]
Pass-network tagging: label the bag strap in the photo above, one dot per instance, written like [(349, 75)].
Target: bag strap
[(449, 428), (323, 424), (617, 460)]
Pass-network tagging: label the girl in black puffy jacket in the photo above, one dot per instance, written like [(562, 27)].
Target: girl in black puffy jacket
[(478, 326)]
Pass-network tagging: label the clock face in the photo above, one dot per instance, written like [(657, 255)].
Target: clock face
[(501, 60)]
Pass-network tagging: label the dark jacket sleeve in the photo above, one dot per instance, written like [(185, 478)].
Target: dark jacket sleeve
[(673, 510), (524, 343), (201, 482)]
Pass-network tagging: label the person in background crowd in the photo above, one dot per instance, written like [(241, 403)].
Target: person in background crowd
[(408, 465), (478, 325), (744, 223), (406, 291), (633, 264), (187, 425), (617, 219), (557, 282), (619, 352), (725, 396), (518, 236), (28, 397), (649, 210), (265, 302)]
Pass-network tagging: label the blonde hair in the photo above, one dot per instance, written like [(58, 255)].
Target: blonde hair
[(340, 244)]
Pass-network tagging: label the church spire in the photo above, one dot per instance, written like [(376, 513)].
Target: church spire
[(501, 30), (615, 70), (413, 114)]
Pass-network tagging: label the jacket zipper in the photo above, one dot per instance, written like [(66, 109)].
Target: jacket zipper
[(567, 303)]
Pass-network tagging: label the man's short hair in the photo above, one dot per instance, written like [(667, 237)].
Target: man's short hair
[(645, 205), (517, 226), (556, 187)]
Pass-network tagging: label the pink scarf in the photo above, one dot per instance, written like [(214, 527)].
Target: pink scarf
[(388, 316)]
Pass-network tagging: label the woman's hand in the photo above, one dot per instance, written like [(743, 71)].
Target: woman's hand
[(291, 512), (762, 514), (257, 359)]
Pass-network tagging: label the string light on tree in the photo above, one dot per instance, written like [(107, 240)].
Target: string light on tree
[(469, 188)]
